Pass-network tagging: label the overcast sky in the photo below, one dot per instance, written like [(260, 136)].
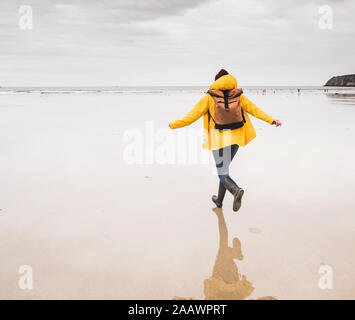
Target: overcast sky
[(174, 42)]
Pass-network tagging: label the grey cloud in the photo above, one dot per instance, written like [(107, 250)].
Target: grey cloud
[(70, 27), (265, 40)]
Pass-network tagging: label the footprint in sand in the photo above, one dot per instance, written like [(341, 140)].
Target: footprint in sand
[(255, 230)]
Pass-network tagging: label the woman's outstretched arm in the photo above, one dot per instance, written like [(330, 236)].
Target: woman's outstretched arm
[(194, 114), (251, 108)]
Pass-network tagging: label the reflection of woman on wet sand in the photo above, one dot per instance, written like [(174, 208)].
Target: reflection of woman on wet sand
[(226, 283)]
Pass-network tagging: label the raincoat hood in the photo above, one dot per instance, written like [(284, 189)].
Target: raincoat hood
[(227, 82)]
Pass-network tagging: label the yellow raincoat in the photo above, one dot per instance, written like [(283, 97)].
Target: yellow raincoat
[(216, 139)]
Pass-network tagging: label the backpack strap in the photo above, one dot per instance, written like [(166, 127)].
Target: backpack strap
[(208, 124), (210, 116), (208, 129), (225, 93), (238, 94)]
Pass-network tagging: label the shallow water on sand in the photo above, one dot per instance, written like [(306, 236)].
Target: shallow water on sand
[(92, 225)]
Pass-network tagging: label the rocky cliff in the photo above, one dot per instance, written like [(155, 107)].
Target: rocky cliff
[(342, 81)]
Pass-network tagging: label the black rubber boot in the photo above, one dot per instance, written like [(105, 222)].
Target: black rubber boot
[(221, 193), (237, 192)]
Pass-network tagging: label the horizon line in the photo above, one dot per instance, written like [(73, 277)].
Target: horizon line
[(158, 86)]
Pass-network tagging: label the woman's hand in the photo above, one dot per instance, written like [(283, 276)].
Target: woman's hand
[(277, 123)]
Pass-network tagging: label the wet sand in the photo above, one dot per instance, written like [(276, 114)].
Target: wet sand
[(94, 227)]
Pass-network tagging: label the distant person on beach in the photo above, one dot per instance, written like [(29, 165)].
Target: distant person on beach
[(227, 127)]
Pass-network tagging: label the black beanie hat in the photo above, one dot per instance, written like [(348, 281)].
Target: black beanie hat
[(221, 73)]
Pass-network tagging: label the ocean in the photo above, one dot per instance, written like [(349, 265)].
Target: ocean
[(173, 89)]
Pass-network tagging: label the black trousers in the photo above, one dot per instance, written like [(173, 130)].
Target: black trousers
[(223, 158)]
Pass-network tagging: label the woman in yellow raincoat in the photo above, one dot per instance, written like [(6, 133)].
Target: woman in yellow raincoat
[(225, 143)]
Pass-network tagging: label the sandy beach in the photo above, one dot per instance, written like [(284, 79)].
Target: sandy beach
[(92, 225)]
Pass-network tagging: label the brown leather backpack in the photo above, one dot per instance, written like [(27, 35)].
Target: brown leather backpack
[(228, 114)]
